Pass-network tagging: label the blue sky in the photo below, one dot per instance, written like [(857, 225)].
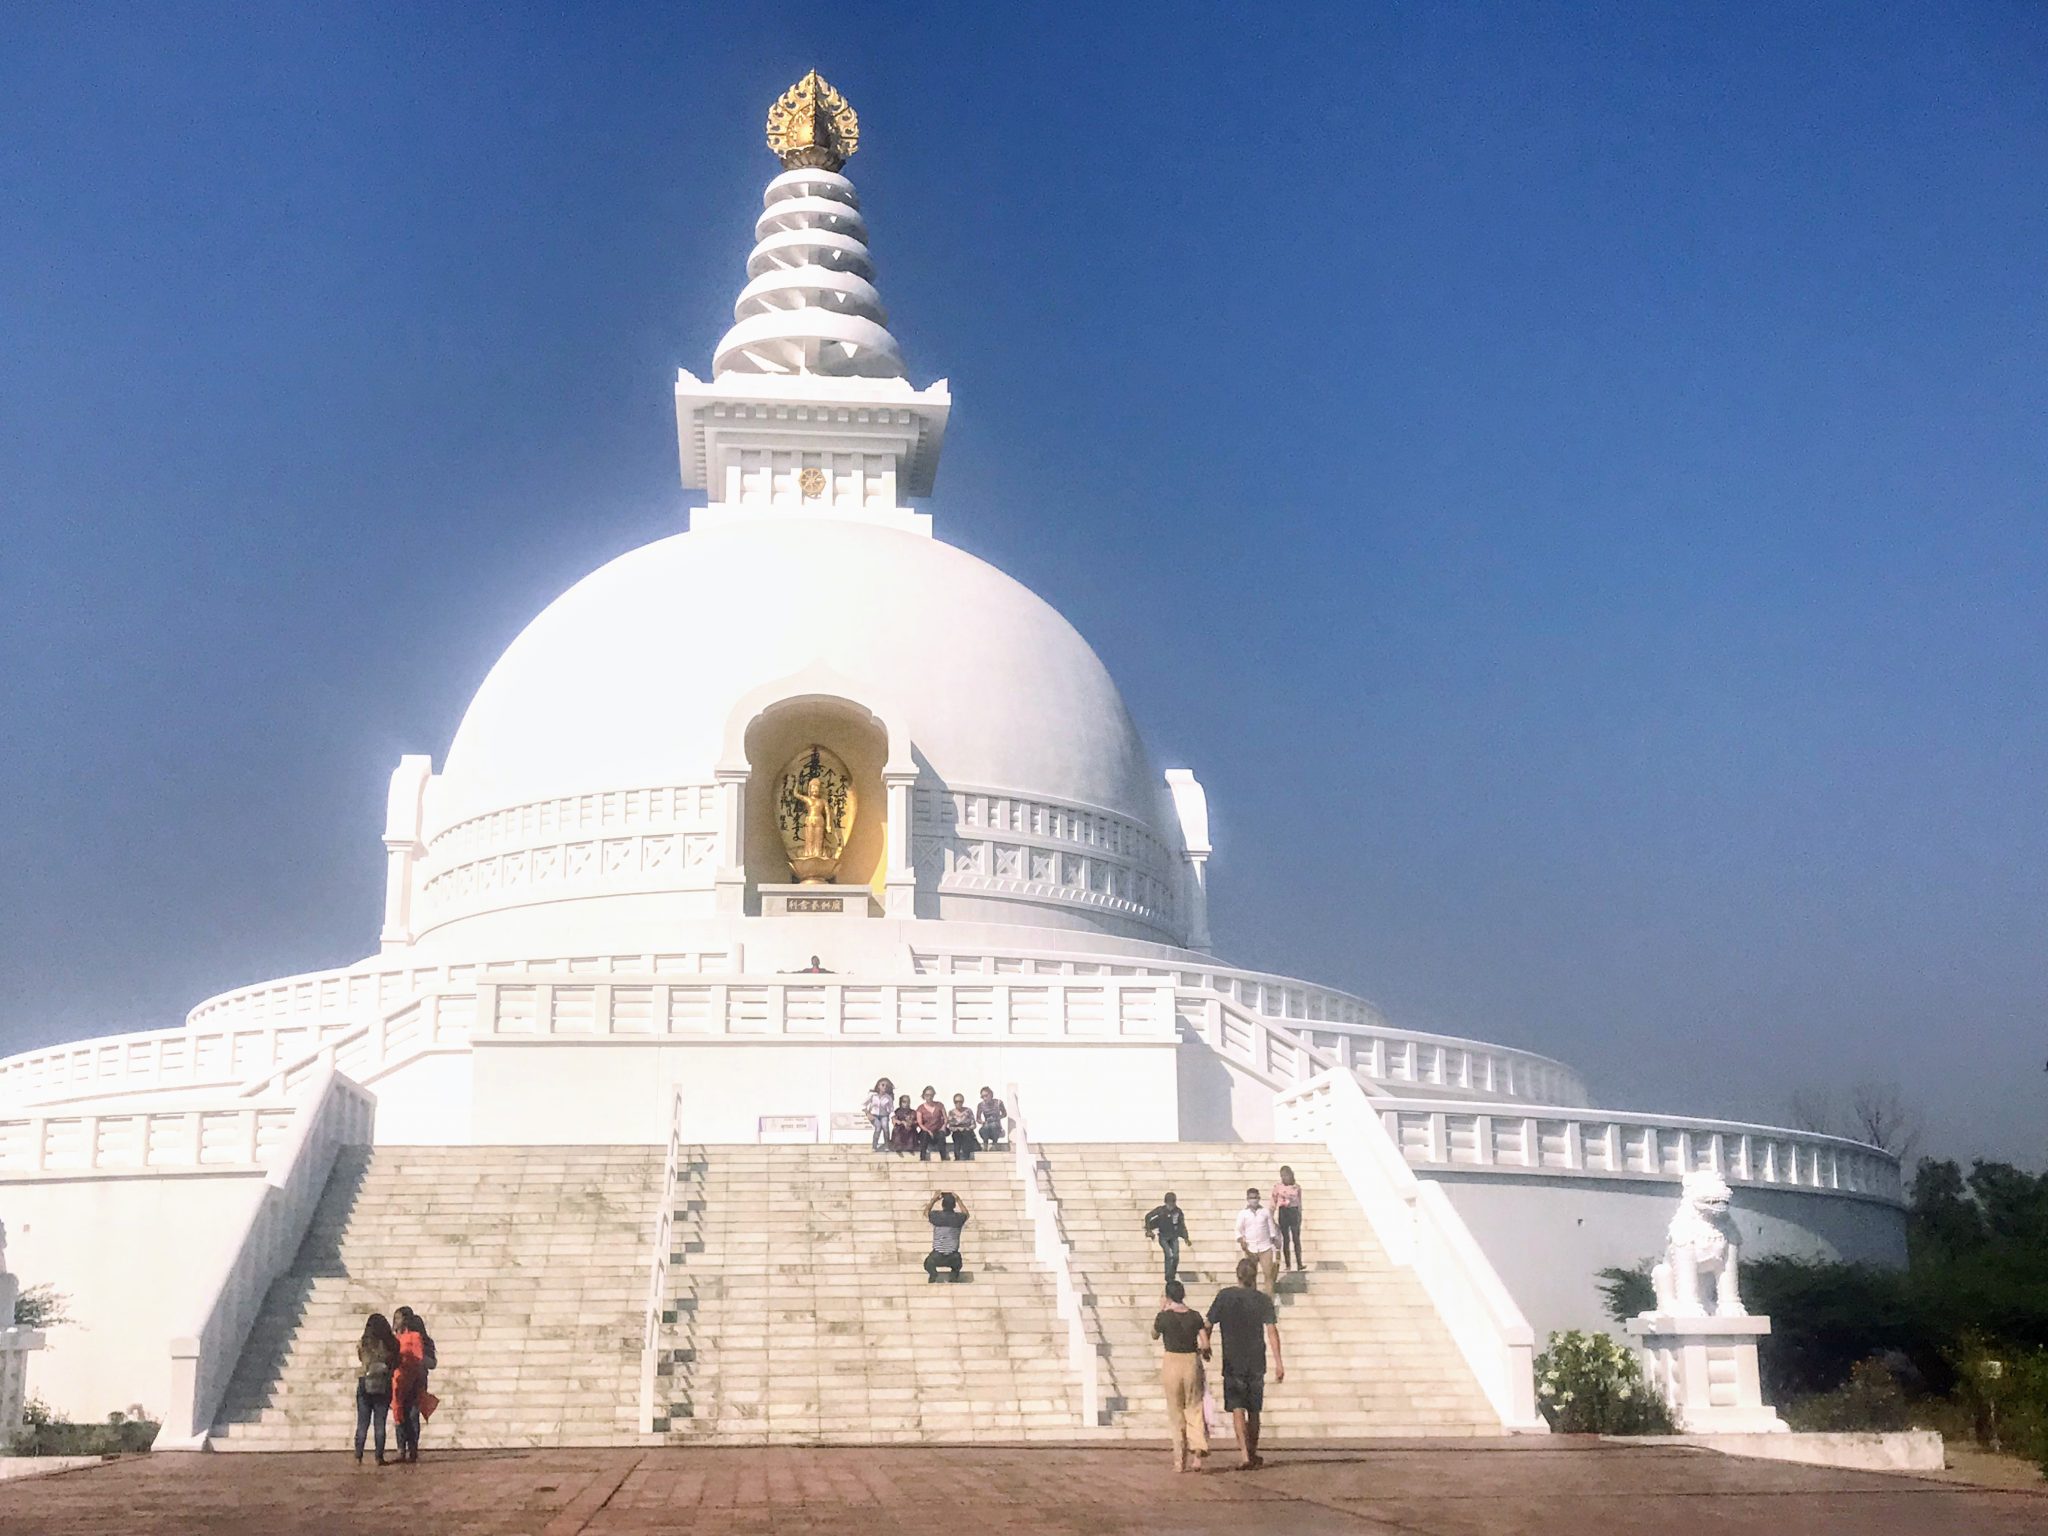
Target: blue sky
[(1568, 478)]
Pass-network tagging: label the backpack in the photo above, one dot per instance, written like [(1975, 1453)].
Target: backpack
[(427, 1351)]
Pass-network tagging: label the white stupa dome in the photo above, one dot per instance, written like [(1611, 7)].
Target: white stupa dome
[(631, 677)]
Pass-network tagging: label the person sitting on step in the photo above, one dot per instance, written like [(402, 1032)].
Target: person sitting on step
[(931, 1127), (903, 1127), (960, 1126), (990, 1114), (948, 1214)]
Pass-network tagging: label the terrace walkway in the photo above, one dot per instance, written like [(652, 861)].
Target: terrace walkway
[(1491, 1488)]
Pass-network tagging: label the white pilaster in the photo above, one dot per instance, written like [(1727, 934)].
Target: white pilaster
[(404, 814), (899, 876), (730, 883), (1191, 804)]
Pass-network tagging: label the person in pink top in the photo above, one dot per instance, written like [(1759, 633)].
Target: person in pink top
[(1287, 1214)]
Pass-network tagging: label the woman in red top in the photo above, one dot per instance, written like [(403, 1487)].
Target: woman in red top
[(931, 1127), (409, 1382)]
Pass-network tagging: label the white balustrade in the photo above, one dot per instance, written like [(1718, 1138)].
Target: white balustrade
[(333, 1113), (231, 1039), (806, 1008), (1554, 1141), (1051, 1248), (1348, 1027), (437, 1021), (141, 1141), (1417, 1225)]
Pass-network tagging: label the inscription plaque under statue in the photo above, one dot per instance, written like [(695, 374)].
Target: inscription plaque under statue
[(816, 901)]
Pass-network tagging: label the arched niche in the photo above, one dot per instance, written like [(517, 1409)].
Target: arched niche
[(773, 740), (871, 734)]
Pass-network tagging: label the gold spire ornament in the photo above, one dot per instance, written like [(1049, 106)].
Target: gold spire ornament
[(811, 126)]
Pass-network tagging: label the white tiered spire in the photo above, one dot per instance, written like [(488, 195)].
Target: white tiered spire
[(808, 412), (810, 305)]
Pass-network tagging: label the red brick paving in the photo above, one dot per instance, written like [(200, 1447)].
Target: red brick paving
[(1493, 1489)]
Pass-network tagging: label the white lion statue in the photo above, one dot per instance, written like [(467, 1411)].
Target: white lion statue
[(1703, 1248)]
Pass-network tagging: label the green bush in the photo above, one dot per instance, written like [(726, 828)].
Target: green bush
[(41, 1435), (1627, 1293), (2006, 1393), (1871, 1399), (1587, 1384), (42, 1306)]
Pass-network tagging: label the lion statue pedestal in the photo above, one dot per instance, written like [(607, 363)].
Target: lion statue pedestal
[(1701, 1358)]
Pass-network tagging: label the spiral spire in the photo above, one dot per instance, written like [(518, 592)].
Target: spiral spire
[(809, 412), (810, 304)]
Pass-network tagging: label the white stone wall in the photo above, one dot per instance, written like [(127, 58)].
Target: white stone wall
[(620, 1092), (1549, 1238), (138, 1256)]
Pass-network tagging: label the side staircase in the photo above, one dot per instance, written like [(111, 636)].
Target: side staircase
[(802, 1313), (529, 1265), (1366, 1352)]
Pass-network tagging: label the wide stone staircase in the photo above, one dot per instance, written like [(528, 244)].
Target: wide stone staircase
[(529, 1264), (801, 1310), (1366, 1352)]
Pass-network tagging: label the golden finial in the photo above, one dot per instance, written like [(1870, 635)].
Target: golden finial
[(811, 125)]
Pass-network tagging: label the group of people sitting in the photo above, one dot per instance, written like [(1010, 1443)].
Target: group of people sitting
[(930, 1126), (393, 1358)]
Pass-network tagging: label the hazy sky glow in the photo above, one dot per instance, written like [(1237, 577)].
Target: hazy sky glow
[(1569, 479)]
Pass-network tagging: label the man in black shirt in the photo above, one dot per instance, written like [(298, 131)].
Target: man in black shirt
[(1165, 1223), (1244, 1315)]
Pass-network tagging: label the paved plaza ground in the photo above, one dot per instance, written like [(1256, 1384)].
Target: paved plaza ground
[(1504, 1489)]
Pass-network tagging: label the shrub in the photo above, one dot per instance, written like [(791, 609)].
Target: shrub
[(1586, 1383), (2006, 1392), (1627, 1293), (42, 1306), (41, 1435), (1825, 1317), (1871, 1399)]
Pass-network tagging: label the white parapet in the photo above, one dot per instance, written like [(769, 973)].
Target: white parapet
[(1419, 1230), (1706, 1370), (332, 1113)]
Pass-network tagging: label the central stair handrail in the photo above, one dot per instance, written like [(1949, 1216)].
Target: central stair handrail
[(1053, 1250), (657, 1277)]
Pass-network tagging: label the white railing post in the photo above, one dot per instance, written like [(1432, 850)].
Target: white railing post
[(657, 1279), (1050, 1244), (1417, 1225), (333, 1113)]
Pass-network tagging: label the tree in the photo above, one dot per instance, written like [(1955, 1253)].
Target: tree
[(2015, 1205), (1879, 1114), (1875, 1113), (1813, 1109), (1943, 1216)]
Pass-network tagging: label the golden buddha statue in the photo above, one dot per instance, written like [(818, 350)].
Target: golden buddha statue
[(814, 811)]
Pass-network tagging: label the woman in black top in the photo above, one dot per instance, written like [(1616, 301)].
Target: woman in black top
[(376, 1354), (1184, 1335)]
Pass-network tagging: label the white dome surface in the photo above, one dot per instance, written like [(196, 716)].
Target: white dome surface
[(631, 677)]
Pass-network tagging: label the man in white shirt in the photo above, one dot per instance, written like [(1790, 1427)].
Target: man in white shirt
[(1259, 1238)]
